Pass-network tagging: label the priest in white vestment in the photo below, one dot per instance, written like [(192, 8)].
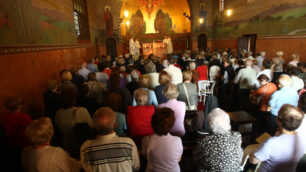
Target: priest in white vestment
[(132, 46)]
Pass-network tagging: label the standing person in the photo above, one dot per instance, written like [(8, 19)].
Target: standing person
[(174, 72), (246, 78), (168, 42), (220, 151), (51, 99), (179, 108), (267, 88), (162, 150), (285, 95), (281, 153), (137, 47), (132, 46), (40, 155), (261, 58), (108, 152)]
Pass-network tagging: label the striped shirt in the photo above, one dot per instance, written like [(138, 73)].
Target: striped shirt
[(109, 153)]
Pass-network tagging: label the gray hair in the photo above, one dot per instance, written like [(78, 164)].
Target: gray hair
[(219, 121), (134, 75), (150, 67)]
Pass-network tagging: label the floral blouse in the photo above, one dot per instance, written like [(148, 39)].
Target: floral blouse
[(219, 153)]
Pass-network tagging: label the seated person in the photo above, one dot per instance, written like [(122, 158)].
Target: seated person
[(96, 89), (188, 91), (40, 156), (108, 152), (222, 150), (139, 117), (164, 79), (282, 152), (114, 101), (67, 117), (15, 122), (144, 83), (179, 108), (162, 150)]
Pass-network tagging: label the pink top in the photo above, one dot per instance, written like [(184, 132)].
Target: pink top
[(179, 109)]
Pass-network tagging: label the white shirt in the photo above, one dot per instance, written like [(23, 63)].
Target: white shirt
[(109, 153), (175, 73), (84, 73), (296, 83), (214, 71), (246, 78), (132, 47)]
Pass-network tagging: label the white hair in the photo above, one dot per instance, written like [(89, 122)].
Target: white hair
[(284, 80), (134, 75), (279, 53), (262, 54), (219, 121)]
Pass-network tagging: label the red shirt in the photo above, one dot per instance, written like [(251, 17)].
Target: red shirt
[(266, 95), (139, 120), (14, 125), (108, 72), (202, 71)]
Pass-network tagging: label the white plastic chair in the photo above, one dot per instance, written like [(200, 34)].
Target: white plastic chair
[(205, 88)]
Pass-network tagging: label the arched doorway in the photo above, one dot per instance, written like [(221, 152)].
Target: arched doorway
[(111, 48), (202, 42)]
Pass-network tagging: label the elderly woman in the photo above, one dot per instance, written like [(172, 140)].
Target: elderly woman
[(151, 72), (164, 79), (67, 117), (295, 60), (179, 108), (139, 117), (220, 151), (97, 89), (162, 150), (40, 156), (66, 83), (144, 83), (281, 153), (188, 91)]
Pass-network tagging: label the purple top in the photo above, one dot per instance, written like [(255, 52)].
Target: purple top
[(162, 152), (179, 109), (279, 154)]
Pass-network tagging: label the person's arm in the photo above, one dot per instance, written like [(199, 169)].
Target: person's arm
[(64, 162), (236, 80), (154, 99), (271, 103), (135, 160), (253, 159)]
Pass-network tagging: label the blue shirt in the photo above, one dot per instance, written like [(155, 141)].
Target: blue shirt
[(92, 67), (152, 100), (285, 95)]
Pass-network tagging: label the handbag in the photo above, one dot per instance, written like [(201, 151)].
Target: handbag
[(189, 107)]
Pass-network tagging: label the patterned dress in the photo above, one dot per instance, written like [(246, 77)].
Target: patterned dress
[(219, 153)]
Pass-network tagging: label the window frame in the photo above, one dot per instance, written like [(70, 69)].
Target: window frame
[(80, 18)]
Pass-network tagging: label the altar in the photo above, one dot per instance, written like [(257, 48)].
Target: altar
[(158, 49)]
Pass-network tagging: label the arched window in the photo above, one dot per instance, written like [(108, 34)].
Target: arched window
[(81, 19)]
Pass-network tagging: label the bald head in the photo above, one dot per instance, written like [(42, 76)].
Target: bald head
[(284, 81), (104, 120)]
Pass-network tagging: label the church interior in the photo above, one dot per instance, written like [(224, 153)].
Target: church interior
[(43, 40)]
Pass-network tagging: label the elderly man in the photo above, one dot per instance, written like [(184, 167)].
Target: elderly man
[(91, 65), (84, 71), (108, 152), (261, 58), (246, 78), (282, 153), (174, 72), (285, 95)]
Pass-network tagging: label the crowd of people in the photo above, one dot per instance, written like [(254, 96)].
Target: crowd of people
[(113, 111)]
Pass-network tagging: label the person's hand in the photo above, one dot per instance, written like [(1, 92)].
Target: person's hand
[(269, 108)]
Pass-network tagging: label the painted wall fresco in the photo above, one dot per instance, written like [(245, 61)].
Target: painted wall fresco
[(273, 17), (169, 12), (36, 22)]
